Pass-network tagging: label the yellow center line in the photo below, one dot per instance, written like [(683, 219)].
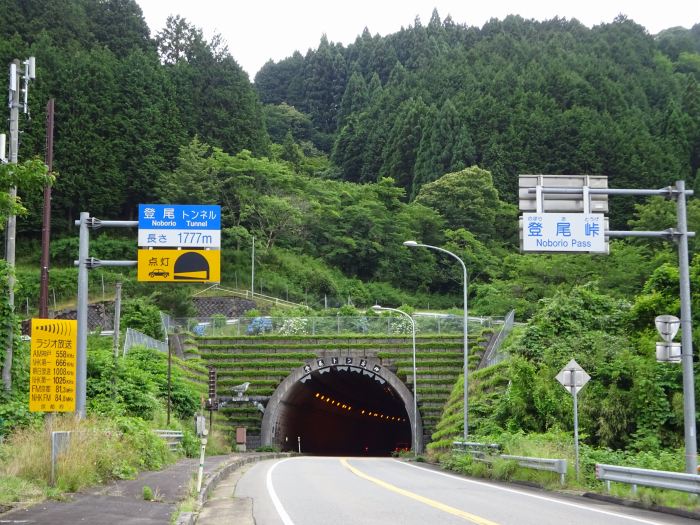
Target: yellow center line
[(431, 502)]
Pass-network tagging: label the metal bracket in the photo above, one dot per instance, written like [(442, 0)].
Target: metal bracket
[(91, 263), (671, 192), (671, 234)]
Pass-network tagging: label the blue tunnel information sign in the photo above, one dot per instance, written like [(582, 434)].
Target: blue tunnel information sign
[(179, 226)]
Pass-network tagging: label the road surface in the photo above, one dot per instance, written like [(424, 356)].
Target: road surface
[(367, 491)]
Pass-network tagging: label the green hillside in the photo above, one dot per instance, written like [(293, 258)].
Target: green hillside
[(329, 161)]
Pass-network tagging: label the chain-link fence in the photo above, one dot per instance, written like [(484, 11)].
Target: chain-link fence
[(136, 338), (333, 325), (494, 354)]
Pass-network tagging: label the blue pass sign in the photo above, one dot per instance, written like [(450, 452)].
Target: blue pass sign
[(557, 232), (179, 217)]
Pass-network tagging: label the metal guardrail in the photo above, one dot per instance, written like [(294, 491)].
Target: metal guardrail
[(551, 465), (250, 294), (488, 452), (172, 437), (479, 451), (649, 478)]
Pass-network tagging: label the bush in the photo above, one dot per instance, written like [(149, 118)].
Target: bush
[(141, 315), (504, 469), (105, 246), (294, 326), (267, 448), (190, 442), (152, 452), (176, 300), (135, 385), (458, 462)]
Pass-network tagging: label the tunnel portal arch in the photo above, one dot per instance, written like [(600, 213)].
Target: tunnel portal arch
[(304, 404)]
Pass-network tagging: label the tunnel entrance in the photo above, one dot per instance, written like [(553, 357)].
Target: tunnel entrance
[(354, 408)]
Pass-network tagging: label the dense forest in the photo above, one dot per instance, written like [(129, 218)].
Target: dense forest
[(516, 96), (333, 158)]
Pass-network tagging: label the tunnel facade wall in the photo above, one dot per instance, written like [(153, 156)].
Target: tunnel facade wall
[(274, 421), (267, 360)]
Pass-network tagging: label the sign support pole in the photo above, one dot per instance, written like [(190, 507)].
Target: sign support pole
[(574, 391), (81, 376), (85, 263), (200, 471), (691, 454), (573, 378), (170, 364)]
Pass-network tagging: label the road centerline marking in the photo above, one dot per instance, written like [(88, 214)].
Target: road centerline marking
[(427, 501)]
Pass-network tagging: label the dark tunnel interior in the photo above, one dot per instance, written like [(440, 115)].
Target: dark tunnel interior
[(343, 411)]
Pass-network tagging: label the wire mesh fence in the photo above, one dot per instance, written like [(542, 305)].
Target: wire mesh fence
[(136, 338), (494, 354), (332, 325)]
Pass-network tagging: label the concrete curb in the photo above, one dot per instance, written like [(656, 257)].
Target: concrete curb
[(210, 481), (591, 495), (638, 505)]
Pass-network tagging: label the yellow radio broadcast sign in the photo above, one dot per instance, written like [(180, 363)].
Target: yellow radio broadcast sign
[(184, 266), (52, 372)]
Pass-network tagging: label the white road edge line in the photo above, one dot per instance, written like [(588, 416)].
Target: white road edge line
[(544, 498), (273, 495)]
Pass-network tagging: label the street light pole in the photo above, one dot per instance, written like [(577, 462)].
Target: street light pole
[(252, 270), (465, 329), (378, 308)]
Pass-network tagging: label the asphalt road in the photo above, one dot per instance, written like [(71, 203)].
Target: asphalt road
[(366, 491)]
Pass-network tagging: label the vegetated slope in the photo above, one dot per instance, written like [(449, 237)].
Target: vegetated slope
[(631, 402)]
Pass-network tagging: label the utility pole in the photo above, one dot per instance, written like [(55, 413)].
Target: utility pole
[(14, 102), (117, 318), (46, 222)]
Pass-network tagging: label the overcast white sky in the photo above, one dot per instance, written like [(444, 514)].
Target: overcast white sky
[(259, 30)]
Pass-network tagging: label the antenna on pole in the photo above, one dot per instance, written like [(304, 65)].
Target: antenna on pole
[(13, 79), (11, 229), (29, 74)]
